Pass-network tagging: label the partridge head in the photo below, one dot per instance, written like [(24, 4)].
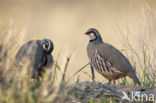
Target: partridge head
[(47, 45)]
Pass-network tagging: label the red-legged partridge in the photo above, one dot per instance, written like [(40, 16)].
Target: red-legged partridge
[(38, 52), (108, 60)]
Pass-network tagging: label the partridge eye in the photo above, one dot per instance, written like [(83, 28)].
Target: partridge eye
[(46, 45)]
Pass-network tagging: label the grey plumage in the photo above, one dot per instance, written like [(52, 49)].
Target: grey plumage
[(107, 60), (38, 52)]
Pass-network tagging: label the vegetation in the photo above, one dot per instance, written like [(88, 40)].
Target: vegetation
[(17, 87)]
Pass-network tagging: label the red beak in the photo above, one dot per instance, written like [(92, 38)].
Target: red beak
[(87, 33)]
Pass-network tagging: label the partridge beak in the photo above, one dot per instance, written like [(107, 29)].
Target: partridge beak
[(87, 33)]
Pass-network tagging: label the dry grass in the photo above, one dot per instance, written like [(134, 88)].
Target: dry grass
[(138, 45)]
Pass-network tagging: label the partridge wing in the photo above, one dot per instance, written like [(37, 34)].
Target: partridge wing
[(39, 55), (101, 64), (49, 63), (24, 51), (114, 57)]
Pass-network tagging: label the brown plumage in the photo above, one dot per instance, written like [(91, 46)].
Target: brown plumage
[(38, 52), (107, 60)]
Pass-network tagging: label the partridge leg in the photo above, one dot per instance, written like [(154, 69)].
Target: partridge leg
[(93, 75), (114, 82), (109, 81)]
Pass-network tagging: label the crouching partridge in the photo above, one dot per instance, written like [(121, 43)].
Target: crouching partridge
[(108, 60), (38, 52)]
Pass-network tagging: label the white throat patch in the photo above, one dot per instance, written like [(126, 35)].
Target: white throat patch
[(91, 36), (49, 44)]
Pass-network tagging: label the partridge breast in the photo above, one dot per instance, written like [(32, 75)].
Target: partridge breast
[(104, 67)]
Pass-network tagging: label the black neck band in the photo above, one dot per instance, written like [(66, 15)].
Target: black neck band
[(93, 39)]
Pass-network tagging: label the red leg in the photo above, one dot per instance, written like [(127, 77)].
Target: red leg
[(114, 82), (109, 81)]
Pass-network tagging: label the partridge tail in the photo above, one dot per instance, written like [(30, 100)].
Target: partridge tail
[(135, 78)]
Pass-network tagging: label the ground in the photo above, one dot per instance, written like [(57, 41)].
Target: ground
[(95, 92)]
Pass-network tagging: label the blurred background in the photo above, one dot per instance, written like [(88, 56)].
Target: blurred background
[(129, 25)]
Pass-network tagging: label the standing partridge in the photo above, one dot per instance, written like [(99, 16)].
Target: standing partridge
[(38, 52), (108, 60)]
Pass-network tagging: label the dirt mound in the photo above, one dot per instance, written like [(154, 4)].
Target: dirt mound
[(95, 92)]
